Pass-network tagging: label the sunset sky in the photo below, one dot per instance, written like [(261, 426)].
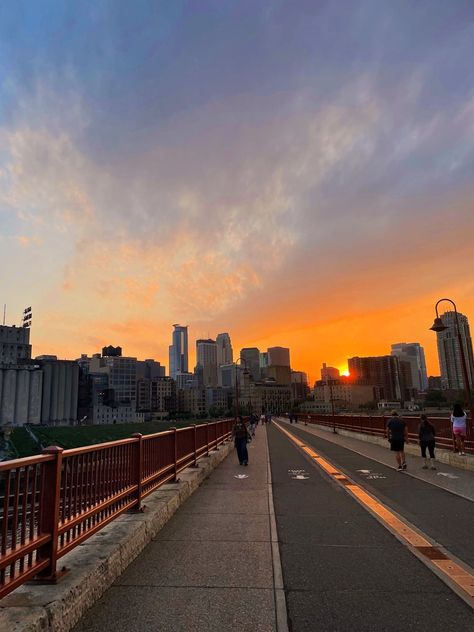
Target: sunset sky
[(297, 173)]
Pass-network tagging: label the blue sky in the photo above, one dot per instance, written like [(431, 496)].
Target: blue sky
[(184, 161)]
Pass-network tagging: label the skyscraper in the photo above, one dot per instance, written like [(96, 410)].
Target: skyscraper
[(278, 356), (225, 354), (206, 357), (413, 353), (381, 371), (179, 351), (449, 352), (251, 360)]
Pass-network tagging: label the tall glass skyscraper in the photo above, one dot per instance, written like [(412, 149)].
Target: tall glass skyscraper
[(179, 351), (449, 353), (413, 353)]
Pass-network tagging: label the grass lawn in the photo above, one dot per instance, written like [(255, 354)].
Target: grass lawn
[(77, 436)]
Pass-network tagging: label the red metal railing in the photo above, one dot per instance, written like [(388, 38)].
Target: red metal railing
[(376, 425), (52, 502)]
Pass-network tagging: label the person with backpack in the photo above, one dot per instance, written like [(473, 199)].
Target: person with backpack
[(426, 434), (241, 438)]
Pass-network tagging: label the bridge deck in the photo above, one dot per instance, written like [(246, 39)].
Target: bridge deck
[(211, 567)]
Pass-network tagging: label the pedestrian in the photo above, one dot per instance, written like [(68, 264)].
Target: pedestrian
[(253, 420), (459, 425), (262, 419), (241, 438), (397, 434), (426, 434)]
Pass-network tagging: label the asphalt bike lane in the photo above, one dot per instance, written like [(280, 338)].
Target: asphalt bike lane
[(445, 517), (342, 569)]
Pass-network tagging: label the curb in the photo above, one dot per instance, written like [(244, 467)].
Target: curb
[(100, 560)]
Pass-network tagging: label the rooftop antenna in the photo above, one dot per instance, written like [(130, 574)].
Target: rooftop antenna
[(4, 312)]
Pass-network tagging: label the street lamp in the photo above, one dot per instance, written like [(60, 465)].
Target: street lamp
[(439, 326), (237, 405), (331, 399)]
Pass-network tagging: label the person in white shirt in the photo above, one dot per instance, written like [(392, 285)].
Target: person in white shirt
[(459, 424)]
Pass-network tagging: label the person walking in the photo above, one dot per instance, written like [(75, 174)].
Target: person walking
[(459, 425), (241, 438), (252, 423), (426, 434), (397, 434)]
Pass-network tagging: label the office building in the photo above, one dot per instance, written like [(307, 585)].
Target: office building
[(217, 400), (122, 374), (156, 396), (263, 364), (206, 358), (280, 374), (434, 383), (178, 351), (225, 353), (329, 373), (414, 354), (391, 375), (15, 345), (185, 380), (449, 353), (344, 394), (263, 397), (250, 358), (228, 374), (148, 369), (299, 386), (278, 356), (192, 401)]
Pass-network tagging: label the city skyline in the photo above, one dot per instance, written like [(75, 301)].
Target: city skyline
[(295, 175), (191, 358)]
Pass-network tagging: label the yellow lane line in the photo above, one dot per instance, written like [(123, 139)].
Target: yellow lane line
[(419, 545)]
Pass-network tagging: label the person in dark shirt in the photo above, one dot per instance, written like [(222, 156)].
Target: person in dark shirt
[(426, 434), (241, 437), (397, 434)]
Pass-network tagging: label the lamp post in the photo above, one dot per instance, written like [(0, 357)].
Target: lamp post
[(237, 405), (331, 399), (439, 326)]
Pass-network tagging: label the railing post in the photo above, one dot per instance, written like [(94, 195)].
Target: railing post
[(215, 434), (195, 464), (139, 470), (48, 519), (175, 446)]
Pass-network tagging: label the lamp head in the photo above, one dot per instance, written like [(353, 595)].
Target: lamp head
[(438, 325)]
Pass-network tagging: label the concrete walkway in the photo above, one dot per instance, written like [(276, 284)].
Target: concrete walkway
[(214, 566), (447, 477)]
